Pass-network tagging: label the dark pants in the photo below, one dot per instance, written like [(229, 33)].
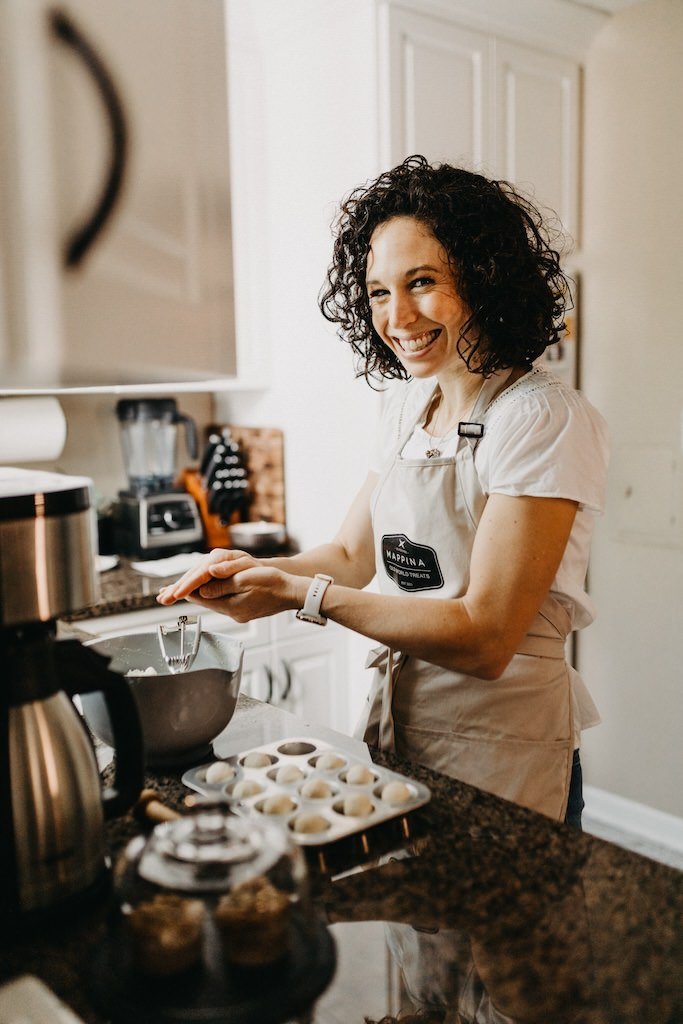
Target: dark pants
[(575, 802)]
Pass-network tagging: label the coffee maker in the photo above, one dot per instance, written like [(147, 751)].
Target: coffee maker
[(153, 518), (52, 808)]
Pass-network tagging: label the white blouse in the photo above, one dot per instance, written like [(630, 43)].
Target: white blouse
[(542, 438)]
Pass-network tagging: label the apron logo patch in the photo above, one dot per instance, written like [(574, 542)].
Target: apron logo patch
[(411, 566)]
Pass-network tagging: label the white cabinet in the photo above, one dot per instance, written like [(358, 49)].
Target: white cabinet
[(295, 665), (537, 125), (459, 94), (152, 301), (302, 668), (437, 100), (314, 662)]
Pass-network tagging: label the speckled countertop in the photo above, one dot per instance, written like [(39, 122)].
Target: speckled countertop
[(124, 589), (490, 913)]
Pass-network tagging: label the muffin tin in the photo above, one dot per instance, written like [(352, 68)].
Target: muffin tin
[(299, 758)]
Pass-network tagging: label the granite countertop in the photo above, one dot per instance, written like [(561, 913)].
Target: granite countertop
[(124, 589), (491, 913)]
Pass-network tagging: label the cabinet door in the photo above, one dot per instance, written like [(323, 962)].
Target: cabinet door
[(537, 127), (469, 97), (152, 301), (436, 82), (310, 678), (257, 675)]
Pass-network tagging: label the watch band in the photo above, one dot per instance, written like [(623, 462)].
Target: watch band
[(314, 598)]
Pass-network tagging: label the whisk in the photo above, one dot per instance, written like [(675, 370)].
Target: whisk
[(181, 662)]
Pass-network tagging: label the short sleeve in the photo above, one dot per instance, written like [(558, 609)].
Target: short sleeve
[(550, 442)]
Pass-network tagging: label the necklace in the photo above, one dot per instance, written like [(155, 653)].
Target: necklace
[(434, 450)]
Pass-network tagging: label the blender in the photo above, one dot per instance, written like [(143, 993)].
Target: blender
[(153, 517)]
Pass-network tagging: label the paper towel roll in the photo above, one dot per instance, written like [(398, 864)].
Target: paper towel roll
[(31, 430)]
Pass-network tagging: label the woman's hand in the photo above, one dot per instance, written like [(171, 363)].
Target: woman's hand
[(237, 584), (196, 576)]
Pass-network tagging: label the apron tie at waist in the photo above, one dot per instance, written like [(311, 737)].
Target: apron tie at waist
[(389, 662), (377, 657), (543, 646), (538, 646)]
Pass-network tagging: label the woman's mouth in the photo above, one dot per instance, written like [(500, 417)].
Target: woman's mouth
[(418, 343)]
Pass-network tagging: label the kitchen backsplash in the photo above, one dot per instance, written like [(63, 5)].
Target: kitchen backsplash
[(93, 446)]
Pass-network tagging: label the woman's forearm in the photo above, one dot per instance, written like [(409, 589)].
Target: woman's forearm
[(514, 561), (333, 559), (439, 630)]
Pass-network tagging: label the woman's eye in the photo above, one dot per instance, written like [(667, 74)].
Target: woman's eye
[(378, 293), (421, 282)]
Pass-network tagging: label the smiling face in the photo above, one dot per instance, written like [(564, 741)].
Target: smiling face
[(415, 307)]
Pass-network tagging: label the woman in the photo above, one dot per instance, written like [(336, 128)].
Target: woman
[(477, 512)]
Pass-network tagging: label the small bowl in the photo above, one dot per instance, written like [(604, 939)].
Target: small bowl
[(181, 714), (257, 535)]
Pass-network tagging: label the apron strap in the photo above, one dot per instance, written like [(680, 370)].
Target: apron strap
[(389, 663)]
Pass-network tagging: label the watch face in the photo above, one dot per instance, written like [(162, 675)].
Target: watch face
[(319, 620)]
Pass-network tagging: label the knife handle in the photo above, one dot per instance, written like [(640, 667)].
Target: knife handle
[(213, 441)]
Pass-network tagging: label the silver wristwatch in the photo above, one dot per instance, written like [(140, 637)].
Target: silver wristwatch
[(314, 598)]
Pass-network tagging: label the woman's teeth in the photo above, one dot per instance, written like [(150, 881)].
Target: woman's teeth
[(419, 343)]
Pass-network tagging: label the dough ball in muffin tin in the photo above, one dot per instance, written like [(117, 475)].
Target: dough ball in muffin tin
[(316, 789), (328, 762), (396, 793), (276, 803), (359, 775), (287, 775), (245, 788), (310, 824), (356, 805), (219, 772), (257, 759)]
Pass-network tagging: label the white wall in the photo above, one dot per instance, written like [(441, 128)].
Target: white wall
[(632, 369), (304, 133)]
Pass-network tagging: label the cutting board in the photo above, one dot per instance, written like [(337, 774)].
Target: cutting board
[(263, 448)]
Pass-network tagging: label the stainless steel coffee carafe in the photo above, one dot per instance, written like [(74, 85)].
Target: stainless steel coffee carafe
[(52, 808)]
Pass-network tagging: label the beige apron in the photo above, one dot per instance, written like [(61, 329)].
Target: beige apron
[(511, 736)]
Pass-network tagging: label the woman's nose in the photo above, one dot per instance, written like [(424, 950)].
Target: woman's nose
[(402, 311)]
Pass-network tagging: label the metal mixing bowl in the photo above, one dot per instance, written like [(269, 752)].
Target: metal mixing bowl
[(180, 714), (257, 535)]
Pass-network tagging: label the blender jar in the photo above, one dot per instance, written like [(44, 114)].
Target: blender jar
[(148, 441)]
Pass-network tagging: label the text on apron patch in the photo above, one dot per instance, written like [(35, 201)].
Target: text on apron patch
[(411, 566)]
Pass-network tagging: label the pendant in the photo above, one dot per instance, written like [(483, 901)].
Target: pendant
[(432, 453)]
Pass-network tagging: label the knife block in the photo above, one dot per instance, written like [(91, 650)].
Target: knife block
[(216, 533), (264, 450)]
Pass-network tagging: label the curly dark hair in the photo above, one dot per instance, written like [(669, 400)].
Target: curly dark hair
[(501, 252)]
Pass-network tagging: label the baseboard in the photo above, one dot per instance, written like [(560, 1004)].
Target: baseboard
[(637, 819)]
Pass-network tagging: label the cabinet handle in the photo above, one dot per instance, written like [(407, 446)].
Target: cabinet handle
[(288, 680), (82, 238), (269, 677)]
